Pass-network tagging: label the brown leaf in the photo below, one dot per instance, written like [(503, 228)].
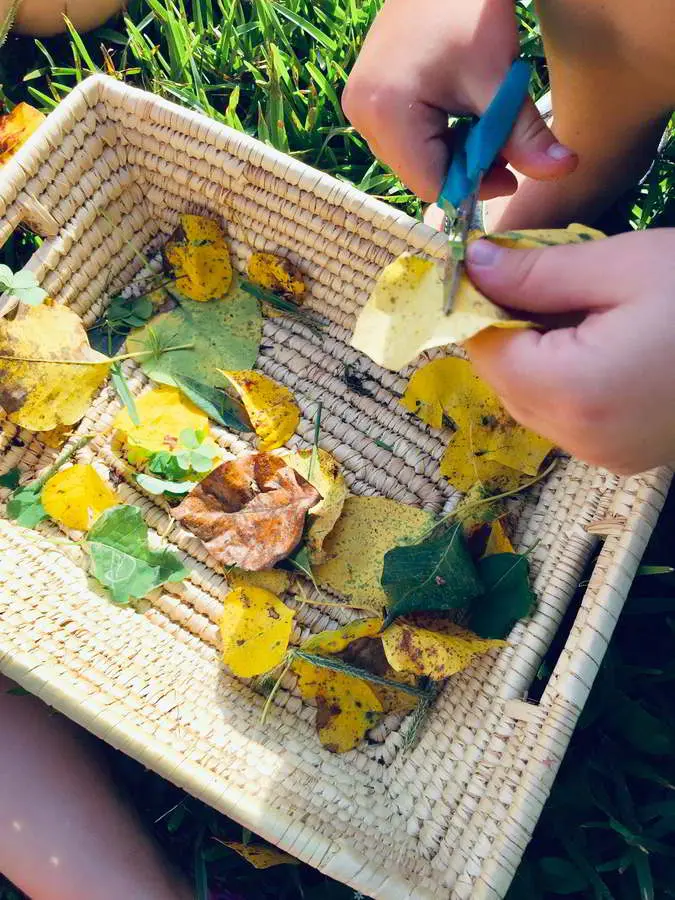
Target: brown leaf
[(249, 512)]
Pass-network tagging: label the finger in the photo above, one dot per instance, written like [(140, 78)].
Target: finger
[(573, 277), (533, 150), (499, 182)]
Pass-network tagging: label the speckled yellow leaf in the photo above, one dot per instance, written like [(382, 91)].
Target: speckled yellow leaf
[(488, 446), (76, 496), (48, 372), (434, 653), (355, 548), (277, 274), (57, 437), (199, 258), (323, 471), (16, 127), (498, 540), (339, 639), (260, 855), (255, 629), (269, 405), (275, 580), (404, 314), (347, 707), (163, 412)]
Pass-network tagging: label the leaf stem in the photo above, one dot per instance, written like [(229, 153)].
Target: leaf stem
[(61, 459), (273, 692), (99, 362)]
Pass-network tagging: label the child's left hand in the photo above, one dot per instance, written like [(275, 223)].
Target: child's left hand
[(603, 389)]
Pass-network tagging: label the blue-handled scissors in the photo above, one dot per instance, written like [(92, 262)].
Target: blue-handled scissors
[(478, 144)]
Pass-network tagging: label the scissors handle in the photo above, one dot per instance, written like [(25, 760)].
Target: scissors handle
[(485, 139)]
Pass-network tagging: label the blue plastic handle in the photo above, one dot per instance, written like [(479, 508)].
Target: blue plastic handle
[(484, 140)]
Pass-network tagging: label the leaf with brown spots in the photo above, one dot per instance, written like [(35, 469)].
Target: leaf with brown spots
[(16, 127), (255, 629), (437, 653), (249, 512), (199, 259)]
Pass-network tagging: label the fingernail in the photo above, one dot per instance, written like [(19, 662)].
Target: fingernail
[(483, 253), (559, 151)]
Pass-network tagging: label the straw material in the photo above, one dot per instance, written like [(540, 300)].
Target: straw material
[(110, 172)]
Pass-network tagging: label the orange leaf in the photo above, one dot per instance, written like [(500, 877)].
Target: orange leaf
[(16, 128)]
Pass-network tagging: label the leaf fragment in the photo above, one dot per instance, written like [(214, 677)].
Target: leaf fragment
[(25, 506), (249, 512), (255, 628), (276, 273), (270, 406), (260, 855), (275, 580), (16, 127), (498, 540), (199, 258), (163, 414), (122, 559), (337, 640), (323, 471), (508, 596), (435, 653), (75, 497)]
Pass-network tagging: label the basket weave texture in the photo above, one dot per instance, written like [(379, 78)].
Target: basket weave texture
[(110, 173)]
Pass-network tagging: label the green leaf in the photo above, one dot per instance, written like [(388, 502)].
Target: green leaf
[(25, 506), (22, 285), (436, 574), (156, 486), (629, 720), (122, 560), (167, 465), (121, 386), (188, 438), (560, 876), (507, 598), (224, 334), (11, 478), (655, 570), (216, 404)]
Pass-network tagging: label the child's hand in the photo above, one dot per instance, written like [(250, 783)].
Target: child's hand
[(425, 59), (604, 389)]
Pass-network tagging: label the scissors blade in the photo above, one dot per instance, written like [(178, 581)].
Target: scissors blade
[(458, 234)]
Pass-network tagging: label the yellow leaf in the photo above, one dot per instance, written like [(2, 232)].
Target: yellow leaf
[(48, 372), (163, 412), (275, 580), (498, 540), (260, 855), (76, 497), (57, 437), (355, 548), (199, 257), (329, 482), (255, 629), (16, 128), (339, 639), (488, 446), (347, 707), (269, 405), (404, 314), (277, 274), (436, 654)]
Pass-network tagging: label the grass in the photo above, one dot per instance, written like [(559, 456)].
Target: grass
[(276, 70)]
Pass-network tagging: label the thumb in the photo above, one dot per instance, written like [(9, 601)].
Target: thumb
[(533, 150)]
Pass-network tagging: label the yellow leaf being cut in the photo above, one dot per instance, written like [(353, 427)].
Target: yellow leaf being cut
[(488, 446), (198, 255), (275, 580), (355, 548), (347, 707), (260, 855), (48, 372), (76, 497), (269, 405), (255, 629), (436, 654), (163, 412), (277, 274), (323, 471), (16, 127), (404, 314)]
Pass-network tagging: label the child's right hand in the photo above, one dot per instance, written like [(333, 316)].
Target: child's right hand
[(425, 59)]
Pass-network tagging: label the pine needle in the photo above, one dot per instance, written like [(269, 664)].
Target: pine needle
[(8, 21)]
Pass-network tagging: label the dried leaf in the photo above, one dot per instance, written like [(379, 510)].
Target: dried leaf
[(16, 127), (122, 560), (347, 707), (199, 258), (164, 413), (404, 314), (437, 654), (48, 372), (275, 580), (76, 496), (488, 446), (269, 405), (249, 512), (323, 471), (260, 855), (355, 549), (508, 596), (224, 334), (255, 629), (276, 273)]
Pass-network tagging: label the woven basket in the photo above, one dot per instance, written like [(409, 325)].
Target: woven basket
[(110, 172)]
